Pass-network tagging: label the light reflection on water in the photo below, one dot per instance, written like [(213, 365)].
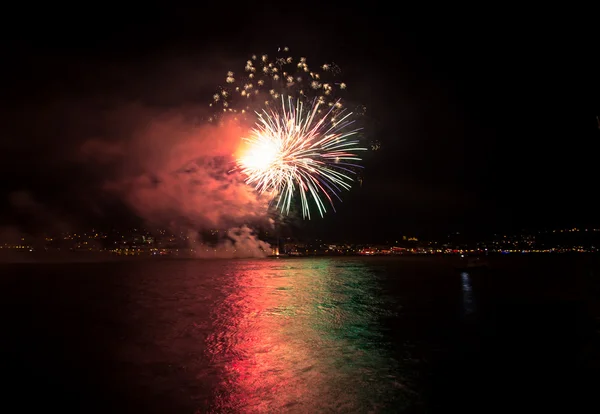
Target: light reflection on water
[(302, 336), (316, 335), (467, 294)]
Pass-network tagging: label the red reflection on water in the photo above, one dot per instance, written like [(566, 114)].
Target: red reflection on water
[(299, 336), (261, 343)]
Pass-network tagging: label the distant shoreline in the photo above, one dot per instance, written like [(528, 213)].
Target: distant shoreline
[(106, 256)]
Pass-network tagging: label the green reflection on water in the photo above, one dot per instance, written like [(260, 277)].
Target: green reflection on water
[(307, 334)]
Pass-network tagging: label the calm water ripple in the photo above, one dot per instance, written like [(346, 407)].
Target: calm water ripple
[(302, 336), (349, 335)]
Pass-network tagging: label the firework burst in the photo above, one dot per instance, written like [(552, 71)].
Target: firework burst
[(264, 79), (304, 140), (294, 148)]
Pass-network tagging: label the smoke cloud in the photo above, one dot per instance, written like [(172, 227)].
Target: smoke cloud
[(178, 173), (122, 137), (37, 216), (239, 242), (10, 235)]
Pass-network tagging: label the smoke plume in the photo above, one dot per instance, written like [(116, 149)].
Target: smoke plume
[(112, 138), (239, 242), (178, 173)]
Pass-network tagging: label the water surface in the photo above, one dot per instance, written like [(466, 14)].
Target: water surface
[(298, 335)]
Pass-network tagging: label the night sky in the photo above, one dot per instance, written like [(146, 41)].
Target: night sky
[(485, 124)]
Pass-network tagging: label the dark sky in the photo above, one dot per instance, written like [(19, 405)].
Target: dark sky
[(485, 123)]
